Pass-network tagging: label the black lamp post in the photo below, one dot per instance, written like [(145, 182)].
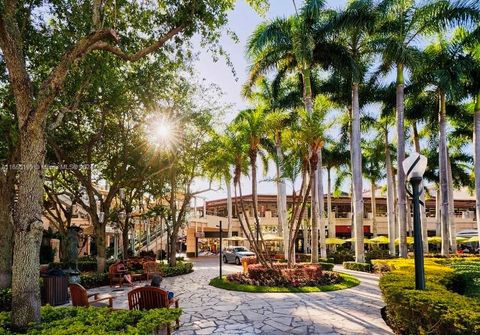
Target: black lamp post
[(415, 166), (220, 253)]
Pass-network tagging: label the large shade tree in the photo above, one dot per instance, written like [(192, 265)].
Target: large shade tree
[(56, 43)]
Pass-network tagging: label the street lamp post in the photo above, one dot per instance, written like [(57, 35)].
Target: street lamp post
[(220, 253), (415, 166)]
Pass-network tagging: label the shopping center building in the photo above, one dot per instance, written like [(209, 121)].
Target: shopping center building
[(202, 232)]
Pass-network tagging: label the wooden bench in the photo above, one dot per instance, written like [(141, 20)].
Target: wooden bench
[(146, 298)]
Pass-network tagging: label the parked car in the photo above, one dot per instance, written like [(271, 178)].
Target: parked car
[(235, 254)]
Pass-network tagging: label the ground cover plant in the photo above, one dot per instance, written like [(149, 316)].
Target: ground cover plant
[(92, 320)]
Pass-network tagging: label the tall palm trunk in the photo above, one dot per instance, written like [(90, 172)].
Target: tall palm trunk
[(258, 231), (401, 193), (321, 210), (476, 140), (357, 177), (443, 174), (390, 197), (308, 100), (331, 223), (315, 207), (438, 205), (374, 208), (423, 212), (228, 184), (451, 206), (281, 197)]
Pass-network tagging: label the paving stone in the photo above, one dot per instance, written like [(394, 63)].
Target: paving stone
[(208, 310)]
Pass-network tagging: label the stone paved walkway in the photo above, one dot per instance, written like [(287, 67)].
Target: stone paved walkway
[(208, 310)]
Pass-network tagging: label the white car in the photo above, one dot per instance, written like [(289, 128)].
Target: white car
[(235, 254)]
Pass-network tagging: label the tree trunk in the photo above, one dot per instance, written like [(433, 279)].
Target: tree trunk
[(281, 198), (28, 227), (100, 244), (315, 213), (321, 205), (331, 223), (7, 191), (390, 198), (125, 240), (423, 212), (438, 205), (401, 193), (476, 144), (172, 254), (443, 175), (228, 183), (357, 177), (374, 209), (451, 206)]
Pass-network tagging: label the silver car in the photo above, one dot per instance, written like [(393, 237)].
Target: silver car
[(235, 254)]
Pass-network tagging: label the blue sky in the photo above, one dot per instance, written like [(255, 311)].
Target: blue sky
[(242, 21)]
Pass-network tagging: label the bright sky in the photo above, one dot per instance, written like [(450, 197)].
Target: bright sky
[(242, 21)]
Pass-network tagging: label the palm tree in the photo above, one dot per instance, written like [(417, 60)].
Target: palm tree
[(403, 22), (335, 156), (472, 50), (373, 170), (356, 24), (220, 166), (443, 68), (274, 98), (312, 132), (294, 45), (252, 126)]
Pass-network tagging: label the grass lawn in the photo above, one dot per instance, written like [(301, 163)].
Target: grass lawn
[(348, 281)]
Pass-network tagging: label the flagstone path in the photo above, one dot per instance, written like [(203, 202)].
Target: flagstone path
[(209, 310)]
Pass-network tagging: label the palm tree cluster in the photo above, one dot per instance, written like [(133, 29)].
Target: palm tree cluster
[(326, 87)]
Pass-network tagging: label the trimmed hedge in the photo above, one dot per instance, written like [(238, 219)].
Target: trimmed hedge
[(98, 321), (83, 266), (327, 260), (341, 255), (93, 279), (326, 266), (364, 267), (180, 269), (437, 310)]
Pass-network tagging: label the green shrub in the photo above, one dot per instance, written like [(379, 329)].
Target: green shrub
[(5, 299), (341, 255), (465, 279), (364, 267), (326, 266), (98, 321), (377, 254), (93, 279), (84, 265), (180, 269), (327, 260), (433, 311)]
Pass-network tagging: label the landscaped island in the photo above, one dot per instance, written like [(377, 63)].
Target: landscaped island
[(301, 278)]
